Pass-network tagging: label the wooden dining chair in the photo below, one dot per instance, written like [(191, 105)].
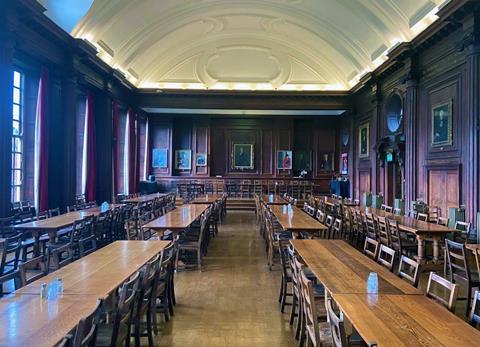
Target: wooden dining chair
[(321, 216), (317, 333), (383, 232), (409, 270), (474, 317), (86, 331), (386, 208), (164, 298), (370, 247), (437, 283), (337, 327), (463, 230), (146, 306), (397, 211), (337, 229), (386, 257), (10, 254), (459, 269), (329, 220), (33, 270), (296, 294), (54, 212), (286, 277), (371, 226), (196, 245), (117, 331), (443, 221)]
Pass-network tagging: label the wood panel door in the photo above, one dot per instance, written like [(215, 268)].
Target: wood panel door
[(363, 182), (444, 189)]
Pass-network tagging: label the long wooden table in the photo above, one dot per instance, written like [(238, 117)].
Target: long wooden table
[(343, 269), (144, 198), (274, 200), (28, 320), (422, 230), (100, 272), (293, 219), (396, 314), (207, 199), (332, 202), (178, 219)]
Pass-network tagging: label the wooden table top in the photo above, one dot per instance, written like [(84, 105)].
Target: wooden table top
[(293, 218), (207, 199), (28, 320), (405, 320), (57, 222), (344, 270), (144, 198), (474, 247), (274, 200), (331, 201), (410, 224), (98, 209), (179, 218), (102, 271)]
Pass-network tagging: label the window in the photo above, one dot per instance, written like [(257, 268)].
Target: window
[(17, 137), (80, 131), (121, 154)]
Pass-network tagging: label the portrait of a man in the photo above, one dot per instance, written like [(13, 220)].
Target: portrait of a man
[(363, 140), (242, 156), (183, 159), (442, 124), (326, 161), (284, 160), (302, 160)]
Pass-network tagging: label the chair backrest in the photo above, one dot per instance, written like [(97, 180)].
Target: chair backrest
[(442, 221), (86, 332), (337, 228), (457, 261), (125, 306), (337, 327), (284, 259), (321, 216), (54, 212), (474, 316), (422, 216), (310, 308), (38, 264), (382, 229), (397, 211), (464, 229), (42, 215), (450, 288), (371, 226), (394, 235), (370, 248), (10, 254), (132, 228), (386, 257), (329, 221), (409, 269), (387, 208)]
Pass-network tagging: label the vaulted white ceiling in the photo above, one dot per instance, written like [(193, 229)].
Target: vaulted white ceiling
[(250, 44)]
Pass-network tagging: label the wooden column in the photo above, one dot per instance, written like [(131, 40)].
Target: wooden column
[(472, 107), (410, 126), (376, 98), (6, 98), (104, 143), (70, 94)]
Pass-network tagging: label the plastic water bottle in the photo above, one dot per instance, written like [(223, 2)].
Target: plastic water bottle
[(372, 283), (104, 207), (59, 285), (43, 290)]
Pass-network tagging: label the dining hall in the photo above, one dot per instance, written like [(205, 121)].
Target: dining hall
[(239, 173)]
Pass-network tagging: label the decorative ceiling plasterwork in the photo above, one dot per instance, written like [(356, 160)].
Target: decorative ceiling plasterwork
[(250, 44)]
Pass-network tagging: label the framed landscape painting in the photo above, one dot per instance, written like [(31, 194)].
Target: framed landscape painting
[(442, 124), (302, 160), (284, 160), (364, 140), (160, 158), (183, 159), (201, 159), (243, 156)]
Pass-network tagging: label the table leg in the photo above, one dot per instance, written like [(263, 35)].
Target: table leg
[(36, 243), (420, 249), (436, 249)]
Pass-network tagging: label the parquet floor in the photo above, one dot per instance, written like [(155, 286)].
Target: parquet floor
[(234, 301)]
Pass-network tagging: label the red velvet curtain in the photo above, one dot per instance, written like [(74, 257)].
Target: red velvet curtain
[(91, 179), (42, 138), (115, 148), (137, 157), (131, 151)]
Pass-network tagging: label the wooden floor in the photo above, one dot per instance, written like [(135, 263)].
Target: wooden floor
[(234, 301)]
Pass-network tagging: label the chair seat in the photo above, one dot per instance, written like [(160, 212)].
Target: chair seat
[(283, 235), (324, 331)]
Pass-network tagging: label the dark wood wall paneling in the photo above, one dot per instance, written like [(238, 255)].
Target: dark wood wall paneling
[(447, 71), (215, 136)]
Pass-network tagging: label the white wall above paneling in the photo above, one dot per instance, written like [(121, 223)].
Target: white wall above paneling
[(250, 44)]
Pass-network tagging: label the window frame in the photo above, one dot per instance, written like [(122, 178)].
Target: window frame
[(18, 186)]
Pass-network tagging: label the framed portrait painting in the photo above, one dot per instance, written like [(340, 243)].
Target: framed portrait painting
[(364, 140), (201, 159), (326, 161), (284, 160), (302, 160), (442, 124), (160, 158), (242, 156), (183, 159)]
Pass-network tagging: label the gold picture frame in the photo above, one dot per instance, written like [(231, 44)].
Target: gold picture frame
[(442, 124), (364, 140)]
